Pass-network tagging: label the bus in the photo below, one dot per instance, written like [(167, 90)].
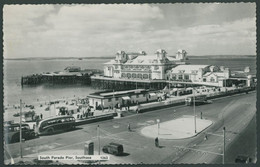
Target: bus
[(55, 124), (12, 132)]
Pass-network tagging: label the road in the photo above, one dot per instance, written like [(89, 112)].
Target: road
[(234, 112)]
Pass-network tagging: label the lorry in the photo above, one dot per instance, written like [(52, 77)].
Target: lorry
[(113, 148), (201, 99)]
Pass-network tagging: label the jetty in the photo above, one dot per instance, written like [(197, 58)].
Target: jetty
[(70, 75)]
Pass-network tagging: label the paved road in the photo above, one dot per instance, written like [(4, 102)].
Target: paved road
[(233, 112)]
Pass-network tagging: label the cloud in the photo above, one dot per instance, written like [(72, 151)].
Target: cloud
[(99, 30)]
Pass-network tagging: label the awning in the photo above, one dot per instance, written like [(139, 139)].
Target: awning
[(152, 94), (126, 98)]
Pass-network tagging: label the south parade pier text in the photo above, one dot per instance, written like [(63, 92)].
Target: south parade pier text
[(73, 157)]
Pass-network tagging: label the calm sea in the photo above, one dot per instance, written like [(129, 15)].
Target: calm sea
[(15, 69)]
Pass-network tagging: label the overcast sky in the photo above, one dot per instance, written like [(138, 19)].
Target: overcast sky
[(102, 30)]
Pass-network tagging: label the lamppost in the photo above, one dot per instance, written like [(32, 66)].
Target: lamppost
[(194, 111), (21, 153), (98, 139), (113, 101), (158, 126), (224, 143)]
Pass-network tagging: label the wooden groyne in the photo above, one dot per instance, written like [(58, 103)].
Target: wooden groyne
[(82, 77)]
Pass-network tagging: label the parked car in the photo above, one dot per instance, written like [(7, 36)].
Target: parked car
[(12, 132), (113, 148), (201, 99), (244, 159)]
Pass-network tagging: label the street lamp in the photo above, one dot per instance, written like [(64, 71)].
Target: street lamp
[(195, 128), (224, 143), (158, 123), (21, 153), (98, 134)]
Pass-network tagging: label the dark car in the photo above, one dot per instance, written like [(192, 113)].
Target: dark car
[(12, 133), (113, 148), (244, 159)]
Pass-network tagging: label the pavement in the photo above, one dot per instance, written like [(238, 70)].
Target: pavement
[(179, 128)]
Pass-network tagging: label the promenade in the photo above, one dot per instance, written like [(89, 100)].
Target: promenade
[(140, 148)]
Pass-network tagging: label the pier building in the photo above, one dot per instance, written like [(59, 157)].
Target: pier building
[(111, 99), (138, 70), (69, 75), (142, 66), (209, 75)]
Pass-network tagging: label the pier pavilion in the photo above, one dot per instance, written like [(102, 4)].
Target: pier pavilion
[(139, 70)]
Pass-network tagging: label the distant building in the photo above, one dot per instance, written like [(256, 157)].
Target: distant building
[(142, 66)]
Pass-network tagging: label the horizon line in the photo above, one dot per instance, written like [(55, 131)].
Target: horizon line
[(106, 57)]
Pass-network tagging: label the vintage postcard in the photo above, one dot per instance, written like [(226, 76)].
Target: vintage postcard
[(102, 84)]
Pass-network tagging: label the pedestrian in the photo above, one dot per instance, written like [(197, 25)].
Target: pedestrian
[(200, 115), (120, 106), (128, 127), (156, 142), (137, 109), (41, 115), (206, 137)]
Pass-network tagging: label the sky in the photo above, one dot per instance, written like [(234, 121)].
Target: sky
[(82, 30)]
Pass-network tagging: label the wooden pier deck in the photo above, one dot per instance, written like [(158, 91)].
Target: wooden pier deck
[(82, 77)]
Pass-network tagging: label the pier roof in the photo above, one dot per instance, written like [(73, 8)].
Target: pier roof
[(219, 74), (147, 59), (62, 73), (110, 94), (187, 68)]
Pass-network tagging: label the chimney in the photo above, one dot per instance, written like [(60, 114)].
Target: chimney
[(226, 73)]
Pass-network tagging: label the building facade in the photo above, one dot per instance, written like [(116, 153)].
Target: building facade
[(142, 66), (199, 74)]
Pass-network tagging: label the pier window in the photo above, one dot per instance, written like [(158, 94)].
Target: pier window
[(174, 77), (145, 76), (128, 75), (187, 77), (212, 79), (133, 75), (123, 75), (139, 76), (180, 77)]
